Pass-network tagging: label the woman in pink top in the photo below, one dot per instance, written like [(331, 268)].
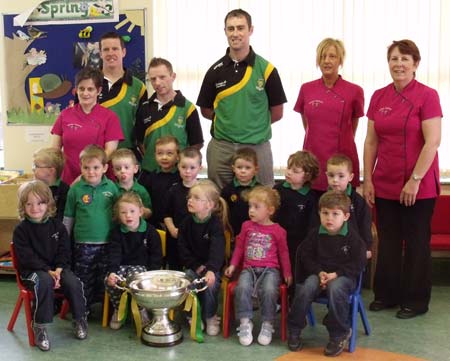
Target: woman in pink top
[(330, 108), (85, 123), (401, 176)]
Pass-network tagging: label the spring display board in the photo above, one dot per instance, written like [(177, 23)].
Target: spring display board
[(41, 62)]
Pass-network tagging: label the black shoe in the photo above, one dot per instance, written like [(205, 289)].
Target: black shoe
[(405, 312), (41, 338), (294, 342), (80, 328), (337, 345), (379, 305)]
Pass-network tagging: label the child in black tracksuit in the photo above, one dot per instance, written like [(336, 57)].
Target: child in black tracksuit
[(42, 248)]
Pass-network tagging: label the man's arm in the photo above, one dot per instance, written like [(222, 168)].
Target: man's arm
[(207, 113), (276, 113)]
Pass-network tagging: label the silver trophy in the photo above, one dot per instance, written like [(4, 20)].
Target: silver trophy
[(158, 292)]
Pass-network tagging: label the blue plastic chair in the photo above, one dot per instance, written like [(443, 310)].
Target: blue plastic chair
[(357, 305)]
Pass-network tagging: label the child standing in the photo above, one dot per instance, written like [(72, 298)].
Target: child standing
[(88, 214), (125, 166), (245, 168), (262, 253), (201, 245), (176, 208), (339, 176), (42, 247), (134, 247), (48, 164), (298, 210), (159, 181), (333, 256)]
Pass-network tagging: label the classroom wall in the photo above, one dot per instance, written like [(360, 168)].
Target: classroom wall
[(21, 141)]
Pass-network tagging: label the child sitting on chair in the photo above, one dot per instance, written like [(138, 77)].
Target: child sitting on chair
[(332, 257), (262, 252), (134, 247), (42, 248)]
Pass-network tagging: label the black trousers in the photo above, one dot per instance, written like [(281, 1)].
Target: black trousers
[(42, 284), (403, 274)]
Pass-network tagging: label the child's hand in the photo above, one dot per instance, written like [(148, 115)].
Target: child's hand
[(288, 280), (210, 278), (112, 279), (56, 275), (200, 270), (229, 271), (368, 254), (323, 279), (174, 232)]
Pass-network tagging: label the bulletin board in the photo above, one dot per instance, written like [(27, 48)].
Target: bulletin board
[(41, 62)]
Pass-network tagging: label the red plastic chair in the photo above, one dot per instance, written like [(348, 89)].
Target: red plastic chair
[(27, 297), (228, 309)]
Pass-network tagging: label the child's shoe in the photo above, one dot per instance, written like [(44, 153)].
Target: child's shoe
[(265, 335), (189, 320), (114, 323), (41, 337), (145, 320), (213, 325), (245, 332), (294, 341), (336, 346), (80, 328)]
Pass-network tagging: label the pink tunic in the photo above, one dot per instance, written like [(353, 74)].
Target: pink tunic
[(397, 119), (78, 129), (262, 246), (329, 114)]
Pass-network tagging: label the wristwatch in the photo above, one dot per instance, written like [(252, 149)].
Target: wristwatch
[(416, 177)]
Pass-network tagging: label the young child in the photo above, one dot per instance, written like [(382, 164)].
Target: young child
[(158, 182), (332, 257), (298, 210), (42, 247), (176, 208), (125, 166), (201, 245), (88, 214), (134, 247), (339, 175), (48, 164), (262, 253), (245, 168)]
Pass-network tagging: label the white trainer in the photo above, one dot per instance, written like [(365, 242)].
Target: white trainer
[(245, 333), (213, 326), (265, 335), (114, 323)]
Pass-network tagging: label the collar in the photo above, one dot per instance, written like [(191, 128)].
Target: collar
[(132, 186), (342, 232), (86, 184), (303, 190), (236, 183), (159, 170), (45, 220), (249, 60), (200, 221), (57, 183), (142, 227), (348, 190), (179, 100)]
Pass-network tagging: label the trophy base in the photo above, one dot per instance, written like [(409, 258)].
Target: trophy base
[(161, 339)]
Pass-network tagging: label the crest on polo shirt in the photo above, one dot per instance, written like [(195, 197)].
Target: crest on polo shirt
[(180, 122), (260, 84), (133, 100), (234, 198), (86, 199)]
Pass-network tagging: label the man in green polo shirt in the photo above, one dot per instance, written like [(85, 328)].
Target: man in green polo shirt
[(242, 94)]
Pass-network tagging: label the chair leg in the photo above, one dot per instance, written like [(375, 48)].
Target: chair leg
[(29, 319), (284, 309), (354, 319), (224, 287), (363, 314), (310, 317), (64, 309), (228, 309), (105, 310), (13, 319)]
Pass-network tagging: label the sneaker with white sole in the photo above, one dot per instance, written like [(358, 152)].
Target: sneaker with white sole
[(245, 333), (189, 320), (265, 335), (41, 337), (336, 345), (80, 328), (213, 326), (114, 323)]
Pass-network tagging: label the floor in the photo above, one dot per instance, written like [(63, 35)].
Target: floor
[(424, 338)]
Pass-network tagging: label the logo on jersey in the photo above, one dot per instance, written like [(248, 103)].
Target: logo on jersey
[(260, 84), (180, 122), (133, 100), (385, 110), (86, 198), (315, 103), (221, 84)]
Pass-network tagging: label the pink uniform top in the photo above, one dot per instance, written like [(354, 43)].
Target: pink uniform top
[(262, 246), (329, 114), (78, 129), (397, 119)]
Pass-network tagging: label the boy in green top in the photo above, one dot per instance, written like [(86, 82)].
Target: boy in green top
[(88, 219), (125, 166)]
